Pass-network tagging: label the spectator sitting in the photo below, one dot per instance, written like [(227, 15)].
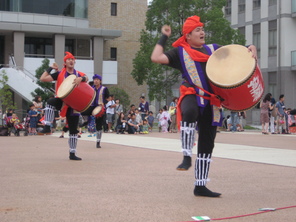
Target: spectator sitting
[(14, 120), (121, 124), (133, 125)]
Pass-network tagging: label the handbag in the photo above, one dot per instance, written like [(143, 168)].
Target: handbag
[(274, 111)]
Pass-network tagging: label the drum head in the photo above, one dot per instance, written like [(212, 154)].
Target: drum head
[(66, 87), (96, 110), (230, 66)]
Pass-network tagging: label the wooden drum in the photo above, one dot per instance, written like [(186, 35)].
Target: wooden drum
[(79, 97), (235, 77)]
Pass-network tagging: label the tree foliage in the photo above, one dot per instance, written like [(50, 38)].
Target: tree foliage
[(174, 13), (121, 95), (6, 96), (47, 91)]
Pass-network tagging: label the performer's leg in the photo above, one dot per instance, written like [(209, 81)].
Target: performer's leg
[(99, 128), (189, 109), (49, 113), (206, 138), (73, 124)]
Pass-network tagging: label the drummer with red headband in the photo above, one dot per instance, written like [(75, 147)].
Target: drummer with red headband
[(56, 103), (197, 106), (102, 94)]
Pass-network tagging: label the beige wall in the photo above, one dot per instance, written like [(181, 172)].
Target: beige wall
[(130, 19)]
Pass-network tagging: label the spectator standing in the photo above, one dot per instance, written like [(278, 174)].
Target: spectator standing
[(110, 113), (130, 111), (150, 119), (271, 119), (280, 119), (33, 120), (173, 115), (265, 105), (164, 119), (144, 107), (38, 105), (158, 119), (118, 110)]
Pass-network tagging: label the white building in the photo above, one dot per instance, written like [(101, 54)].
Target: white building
[(271, 26)]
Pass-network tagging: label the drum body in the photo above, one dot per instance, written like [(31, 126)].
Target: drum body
[(80, 97), (99, 111), (235, 77)]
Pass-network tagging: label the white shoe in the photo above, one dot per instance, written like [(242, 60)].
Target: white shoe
[(110, 131)]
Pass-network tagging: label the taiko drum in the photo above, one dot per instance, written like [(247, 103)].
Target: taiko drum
[(79, 97), (235, 77)]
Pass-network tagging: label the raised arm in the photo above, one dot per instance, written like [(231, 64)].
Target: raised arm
[(46, 77), (157, 55)]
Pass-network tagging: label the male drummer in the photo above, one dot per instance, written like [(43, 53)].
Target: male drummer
[(102, 94), (190, 56), (56, 103)]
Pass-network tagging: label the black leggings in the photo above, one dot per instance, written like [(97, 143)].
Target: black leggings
[(99, 120), (191, 113), (72, 119)]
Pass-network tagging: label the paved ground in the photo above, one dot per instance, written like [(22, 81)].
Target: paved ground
[(133, 178)]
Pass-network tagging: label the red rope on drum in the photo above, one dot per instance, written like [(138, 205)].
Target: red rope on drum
[(251, 214)]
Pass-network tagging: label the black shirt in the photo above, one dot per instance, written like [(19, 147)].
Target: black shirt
[(175, 62)]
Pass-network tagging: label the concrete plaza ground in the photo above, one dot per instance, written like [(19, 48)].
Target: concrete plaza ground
[(133, 178)]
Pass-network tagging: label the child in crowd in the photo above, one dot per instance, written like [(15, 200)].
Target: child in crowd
[(150, 119), (164, 119), (14, 120), (33, 114), (133, 125), (139, 119), (120, 126), (64, 130), (145, 127), (158, 119), (91, 126)]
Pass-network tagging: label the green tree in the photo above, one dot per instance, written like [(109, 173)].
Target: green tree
[(121, 95), (47, 87), (6, 96), (174, 13)]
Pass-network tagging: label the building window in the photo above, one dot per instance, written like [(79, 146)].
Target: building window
[(256, 4), (272, 83), (113, 53), (80, 48), (72, 8), (228, 8), (38, 47), (257, 37), (114, 9), (242, 30), (272, 2), (272, 38), (241, 6)]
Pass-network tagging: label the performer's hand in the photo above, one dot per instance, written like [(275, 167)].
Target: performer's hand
[(253, 49), (166, 30), (55, 66), (77, 81)]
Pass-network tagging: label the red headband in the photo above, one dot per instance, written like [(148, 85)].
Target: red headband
[(189, 25), (68, 56)]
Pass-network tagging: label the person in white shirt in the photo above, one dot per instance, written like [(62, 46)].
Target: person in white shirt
[(110, 112)]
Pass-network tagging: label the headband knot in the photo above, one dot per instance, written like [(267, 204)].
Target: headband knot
[(68, 56)]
